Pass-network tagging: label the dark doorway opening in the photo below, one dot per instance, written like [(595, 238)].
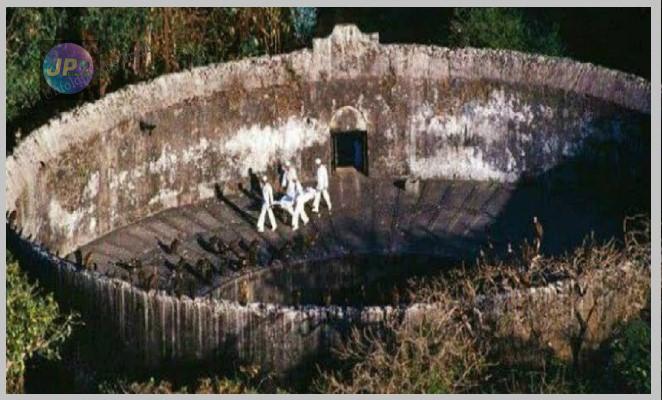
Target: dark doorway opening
[(350, 149)]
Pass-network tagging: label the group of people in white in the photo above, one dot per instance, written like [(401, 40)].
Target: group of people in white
[(295, 197)]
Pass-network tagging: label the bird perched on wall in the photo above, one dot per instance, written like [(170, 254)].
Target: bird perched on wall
[(244, 293), (296, 297), (174, 282), (362, 293), (87, 260), (131, 266), (154, 278), (11, 218), (395, 296), (528, 253), (538, 230), (169, 248), (146, 127), (326, 298), (149, 279)]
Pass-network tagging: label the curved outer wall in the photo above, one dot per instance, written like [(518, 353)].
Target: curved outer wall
[(429, 112)]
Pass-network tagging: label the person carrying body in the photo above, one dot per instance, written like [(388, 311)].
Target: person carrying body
[(267, 203), (322, 188), (299, 203), (289, 173)]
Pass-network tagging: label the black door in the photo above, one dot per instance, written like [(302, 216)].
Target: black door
[(350, 150)]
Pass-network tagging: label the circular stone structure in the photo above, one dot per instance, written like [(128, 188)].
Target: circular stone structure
[(140, 207)]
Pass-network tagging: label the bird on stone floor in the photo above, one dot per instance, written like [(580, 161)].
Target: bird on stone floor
[(236, 248), (311, 239), (284, 252), (174, 246), (206, 269), (169, 248), (538, 230), (217, 245), (297, 243), (254, 252)]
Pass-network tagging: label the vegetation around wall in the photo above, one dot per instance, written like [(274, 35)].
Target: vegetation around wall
[(135, 44), (35, 326), (138, 44), (605, 346)]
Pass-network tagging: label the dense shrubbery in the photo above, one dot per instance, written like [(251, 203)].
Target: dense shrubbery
[(140, 43), (460, 350), (630, 357), (35, 326), (133, 44), (28, 30), (455, 349), (503, 28)]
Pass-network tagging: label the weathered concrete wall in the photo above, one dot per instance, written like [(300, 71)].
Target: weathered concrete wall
[(157, 329), (428, 111)]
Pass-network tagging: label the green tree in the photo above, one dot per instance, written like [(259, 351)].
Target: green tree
[(35, 325), (111, 34), (504, 28), (631, 356), (28, 31)]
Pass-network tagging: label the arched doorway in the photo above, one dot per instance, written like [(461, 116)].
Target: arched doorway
[(349, 140)]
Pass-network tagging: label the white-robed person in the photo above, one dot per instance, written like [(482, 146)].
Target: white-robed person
[(322, 189), (267, 204), (286, 202), (300, 199), (289, 173)]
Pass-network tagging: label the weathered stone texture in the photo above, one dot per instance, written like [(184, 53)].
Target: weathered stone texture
[(429, 112)]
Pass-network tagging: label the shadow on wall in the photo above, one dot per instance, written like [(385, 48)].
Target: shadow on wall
[(591, 191)]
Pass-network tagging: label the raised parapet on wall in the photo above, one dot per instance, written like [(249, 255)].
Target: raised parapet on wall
[(431, 113), (344, 37), (210, 115), (344, 54)]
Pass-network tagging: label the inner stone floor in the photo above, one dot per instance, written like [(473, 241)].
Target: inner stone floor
[(193, 249)]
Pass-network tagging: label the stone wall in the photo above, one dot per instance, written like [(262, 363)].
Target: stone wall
[(156, 329), (429, 112)]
